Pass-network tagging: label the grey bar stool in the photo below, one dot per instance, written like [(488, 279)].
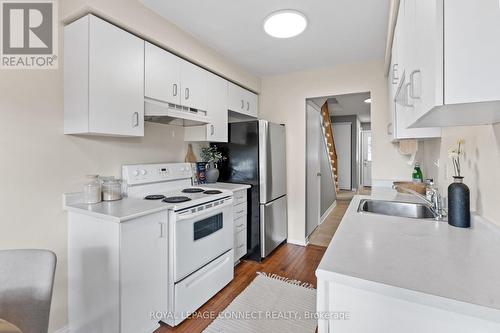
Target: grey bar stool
[(26, 282)]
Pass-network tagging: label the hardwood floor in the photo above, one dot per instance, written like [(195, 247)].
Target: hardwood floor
[(291, 261), (323, 234)]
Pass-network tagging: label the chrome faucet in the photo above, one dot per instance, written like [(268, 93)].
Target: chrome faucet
[(435, 203)]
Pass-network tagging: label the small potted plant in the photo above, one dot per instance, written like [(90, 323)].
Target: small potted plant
[(458, 192), (212, 156)]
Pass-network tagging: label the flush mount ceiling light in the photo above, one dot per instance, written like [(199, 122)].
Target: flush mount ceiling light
[(285, 23), (368, 100)]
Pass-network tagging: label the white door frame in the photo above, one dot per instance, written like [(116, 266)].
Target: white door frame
[(363, 180), (344, 154)]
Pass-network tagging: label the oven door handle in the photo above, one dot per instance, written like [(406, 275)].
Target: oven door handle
[(189, 216)]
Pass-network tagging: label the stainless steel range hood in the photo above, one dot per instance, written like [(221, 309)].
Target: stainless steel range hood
[(167, 113)]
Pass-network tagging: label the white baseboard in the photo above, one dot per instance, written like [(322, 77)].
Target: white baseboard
[(327, 212), (297, 242), (64, 329)]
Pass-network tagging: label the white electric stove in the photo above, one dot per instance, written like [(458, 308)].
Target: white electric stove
[(200, 232)]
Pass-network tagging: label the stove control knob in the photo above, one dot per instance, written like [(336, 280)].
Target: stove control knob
[(136, 173), (143, 172)]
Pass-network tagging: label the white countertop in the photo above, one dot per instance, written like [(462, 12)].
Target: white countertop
[(120, 210), (228, 186), (130, 208), (417, 259)]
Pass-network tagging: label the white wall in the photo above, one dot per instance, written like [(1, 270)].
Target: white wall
[(480, 165), (283, 100), (38, 163)]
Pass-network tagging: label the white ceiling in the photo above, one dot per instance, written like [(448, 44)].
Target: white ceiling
[(350, 104), (338, 31)]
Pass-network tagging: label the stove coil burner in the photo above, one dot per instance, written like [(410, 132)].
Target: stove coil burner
[(192, 190), (212, 192), (155, 197), (176, 199)]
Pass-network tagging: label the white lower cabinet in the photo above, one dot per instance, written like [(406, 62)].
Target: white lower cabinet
[(240, 224), (143, 271), (117, 273)]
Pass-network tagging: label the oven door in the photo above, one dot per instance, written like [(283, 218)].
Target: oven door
[(202, 234)]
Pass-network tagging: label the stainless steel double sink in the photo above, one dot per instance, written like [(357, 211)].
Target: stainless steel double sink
[(397, 208)]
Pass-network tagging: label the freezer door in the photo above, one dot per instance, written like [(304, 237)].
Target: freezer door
[(272, 161), (273, 226)]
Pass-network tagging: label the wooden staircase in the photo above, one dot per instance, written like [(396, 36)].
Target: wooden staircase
[(330, 140)]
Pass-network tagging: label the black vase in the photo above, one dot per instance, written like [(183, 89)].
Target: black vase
[(458, 204)]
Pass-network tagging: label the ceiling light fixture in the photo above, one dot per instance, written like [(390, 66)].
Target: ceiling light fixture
[(285, 23), (368, 100)]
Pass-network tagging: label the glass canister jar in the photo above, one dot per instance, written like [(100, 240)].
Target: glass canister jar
[(111, 189), (92, 190)]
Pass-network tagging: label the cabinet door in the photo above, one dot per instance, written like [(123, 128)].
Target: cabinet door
[(252, 104), (426, 77), (116, 80), (400, 35), (472, 51), (193, 86), (143, 271), (217, 108), (236, 98), (162, 75)]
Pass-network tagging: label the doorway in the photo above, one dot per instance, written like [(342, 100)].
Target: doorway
[(342, 133), (336, 127), (366, 158)]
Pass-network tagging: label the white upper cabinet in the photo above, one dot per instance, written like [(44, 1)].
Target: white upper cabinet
[(242, 101), (103, 84), (472, 51), (193, 86), (450, 55), (162, 75), (216, 131), (171, 79), (402, 96)]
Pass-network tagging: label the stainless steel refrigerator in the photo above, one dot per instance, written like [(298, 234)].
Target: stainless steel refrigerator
[(256, 156)]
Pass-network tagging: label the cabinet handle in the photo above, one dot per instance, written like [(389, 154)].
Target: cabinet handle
[(135, 119), (412, 84), (248, 106), (174, 92), (389, 129), (212, 130), (395, 79), (187, 93), (406, 91), (242, 104), (239, 247), (241, 212), (161, 229)]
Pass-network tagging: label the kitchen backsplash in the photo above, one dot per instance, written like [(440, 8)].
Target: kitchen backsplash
[(480, 165)]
